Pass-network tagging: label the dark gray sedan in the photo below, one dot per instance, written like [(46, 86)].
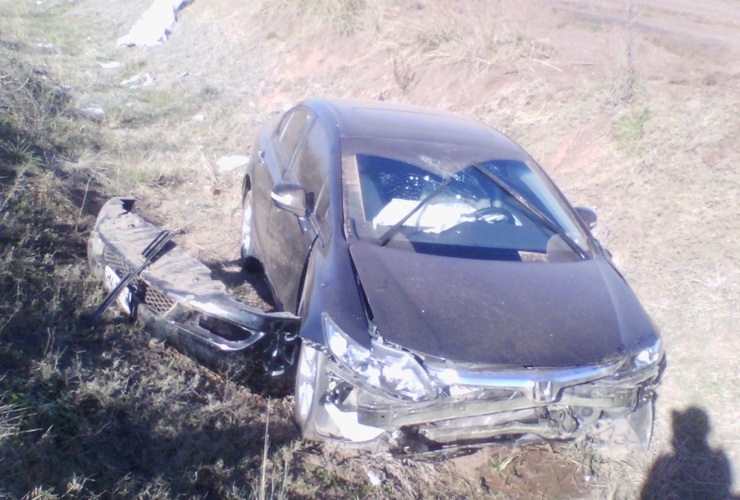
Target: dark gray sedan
[(448, 295)]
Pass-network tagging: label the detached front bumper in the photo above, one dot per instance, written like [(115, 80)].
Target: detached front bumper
[(478, 407), (176, 296)]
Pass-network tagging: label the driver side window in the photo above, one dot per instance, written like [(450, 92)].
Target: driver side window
[(289, 135), (311, 168)]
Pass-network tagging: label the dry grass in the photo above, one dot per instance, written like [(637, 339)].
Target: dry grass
[(343, 17), (465, 36)]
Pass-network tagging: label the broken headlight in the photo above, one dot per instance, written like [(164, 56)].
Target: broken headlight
[(646, 359), (381, 366)]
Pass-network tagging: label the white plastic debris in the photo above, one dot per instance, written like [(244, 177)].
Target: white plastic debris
[(229, 163), (349, 425), (137, 81), (373, 477), (155, 24), (110, 65), (43, 47)]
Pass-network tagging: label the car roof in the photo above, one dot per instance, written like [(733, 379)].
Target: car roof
[(401, 122)]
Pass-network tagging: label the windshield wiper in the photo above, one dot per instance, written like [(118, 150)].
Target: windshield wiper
[(391, 232), (544, 219)]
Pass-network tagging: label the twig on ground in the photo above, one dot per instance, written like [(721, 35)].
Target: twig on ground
[(263, 476), (82, 205)]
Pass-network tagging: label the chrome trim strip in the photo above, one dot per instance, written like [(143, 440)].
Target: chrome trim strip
[(541, 385), (398, 415), (217, 341)]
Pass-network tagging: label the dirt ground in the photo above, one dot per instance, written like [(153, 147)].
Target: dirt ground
[(632, 107)]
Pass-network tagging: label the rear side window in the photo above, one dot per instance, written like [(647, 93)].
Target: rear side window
[(289, 134), (311, 167)]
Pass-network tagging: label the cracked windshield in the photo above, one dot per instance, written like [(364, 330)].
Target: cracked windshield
[(495, 209)]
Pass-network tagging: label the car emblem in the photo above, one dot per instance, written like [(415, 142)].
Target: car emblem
[(544, 391)]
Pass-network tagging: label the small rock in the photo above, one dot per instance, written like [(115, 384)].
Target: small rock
[(96, 115), (210, 190), (710, 80)]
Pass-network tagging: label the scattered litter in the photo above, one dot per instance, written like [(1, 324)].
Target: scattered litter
[(110, 65), (155, 24), (184, 73), (43, 47), (135, 82), (199, 118), (229, 163), (373, 476)]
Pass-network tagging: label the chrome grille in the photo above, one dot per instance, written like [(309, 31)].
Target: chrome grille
[(156, 299), (145, 293)]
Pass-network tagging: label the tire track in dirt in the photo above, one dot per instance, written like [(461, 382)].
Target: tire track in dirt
[(695, 25)]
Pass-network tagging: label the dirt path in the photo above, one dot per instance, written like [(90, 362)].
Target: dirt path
[(697, 28)]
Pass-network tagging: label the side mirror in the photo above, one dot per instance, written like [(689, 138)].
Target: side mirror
[(588, 216), (291, 198)]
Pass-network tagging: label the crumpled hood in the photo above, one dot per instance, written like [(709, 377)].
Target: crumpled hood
[(498, 312)]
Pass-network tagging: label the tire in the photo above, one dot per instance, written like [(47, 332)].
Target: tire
[(249, 260), (306, 388), (319, 419)]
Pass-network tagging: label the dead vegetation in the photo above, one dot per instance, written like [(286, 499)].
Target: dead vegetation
[(631, 121)]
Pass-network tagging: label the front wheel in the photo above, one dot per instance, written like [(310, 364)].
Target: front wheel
[(247, 249), (306, 390), (318, 413)]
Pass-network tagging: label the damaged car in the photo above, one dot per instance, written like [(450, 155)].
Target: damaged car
[(434, 291), (449, 295)]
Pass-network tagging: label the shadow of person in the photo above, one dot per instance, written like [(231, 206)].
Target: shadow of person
[(693, 470)]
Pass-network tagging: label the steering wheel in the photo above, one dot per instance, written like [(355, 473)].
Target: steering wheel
[(493, 215)]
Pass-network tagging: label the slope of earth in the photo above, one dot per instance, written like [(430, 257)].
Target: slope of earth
[(632, 108)]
